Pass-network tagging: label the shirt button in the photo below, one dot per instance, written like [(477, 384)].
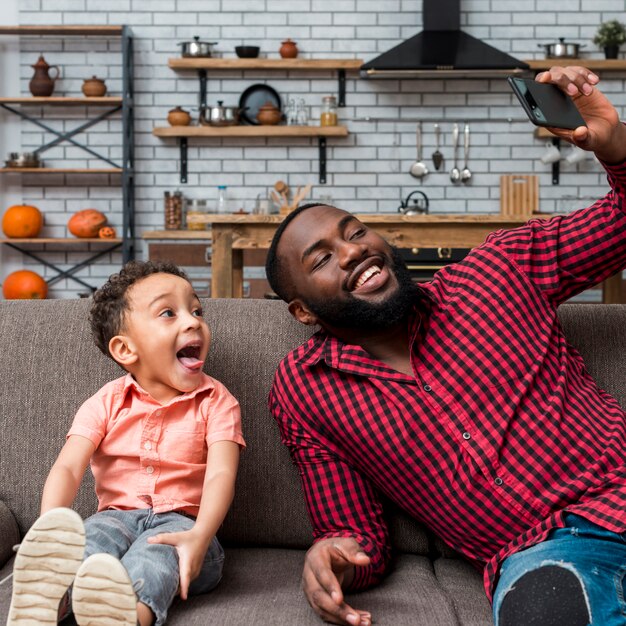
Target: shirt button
[(427, 388), (466, 436), (149, 469), (158, 413), (147, 445), (498, 481)]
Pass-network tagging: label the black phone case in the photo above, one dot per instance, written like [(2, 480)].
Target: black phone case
[(545, 104)]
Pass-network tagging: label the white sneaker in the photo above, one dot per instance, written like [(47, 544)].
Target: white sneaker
[(103, 594), (45, 566)]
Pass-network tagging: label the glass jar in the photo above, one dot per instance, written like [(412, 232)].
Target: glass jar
[(194, 208), (222, 199), (173, 207), (328, 116)]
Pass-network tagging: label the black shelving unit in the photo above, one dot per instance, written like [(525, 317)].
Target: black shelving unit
[(123, 104)]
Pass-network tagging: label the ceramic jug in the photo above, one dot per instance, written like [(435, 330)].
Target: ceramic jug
[(289, 49), (42, 84)]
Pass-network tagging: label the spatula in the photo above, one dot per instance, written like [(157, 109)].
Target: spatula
[(437, 156)]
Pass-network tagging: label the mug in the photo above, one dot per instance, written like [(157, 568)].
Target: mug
[(551, 155), (575, 155)]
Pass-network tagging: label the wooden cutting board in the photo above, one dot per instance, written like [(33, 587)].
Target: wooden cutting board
[(519, 195)]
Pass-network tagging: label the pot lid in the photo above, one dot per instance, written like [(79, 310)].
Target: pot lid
[(196, 39)]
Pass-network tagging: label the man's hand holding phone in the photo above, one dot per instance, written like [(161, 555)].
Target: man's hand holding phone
[(603, 134)]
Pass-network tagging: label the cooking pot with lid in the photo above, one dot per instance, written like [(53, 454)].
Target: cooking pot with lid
[(562, 50), (220, 115), (197, 48)]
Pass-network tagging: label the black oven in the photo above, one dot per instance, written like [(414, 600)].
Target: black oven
[(424, 262)]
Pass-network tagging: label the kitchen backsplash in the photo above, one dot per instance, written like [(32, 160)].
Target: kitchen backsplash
[(367, 171)]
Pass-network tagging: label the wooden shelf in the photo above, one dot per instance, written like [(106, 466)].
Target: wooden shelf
[(177, 234), (67, 101), (250, 131), (264, 64), (60, 170), (62, 240), (61, 30), (609, 65)]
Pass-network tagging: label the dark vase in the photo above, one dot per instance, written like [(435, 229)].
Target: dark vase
[(611, 52)]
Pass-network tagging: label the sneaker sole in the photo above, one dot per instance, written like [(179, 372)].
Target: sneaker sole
[(103, 593), (45, 566)]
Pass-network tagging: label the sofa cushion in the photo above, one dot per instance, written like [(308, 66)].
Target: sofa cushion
[(262, 586), (464, 586), (9, 533)]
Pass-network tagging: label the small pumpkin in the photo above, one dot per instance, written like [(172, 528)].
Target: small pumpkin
[(22, 220), (24, 285), (86, 223), (107, 232)]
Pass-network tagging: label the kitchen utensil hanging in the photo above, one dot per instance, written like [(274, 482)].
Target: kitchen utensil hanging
[(466, 173), (437, 156), (419, 169), (455, 173)]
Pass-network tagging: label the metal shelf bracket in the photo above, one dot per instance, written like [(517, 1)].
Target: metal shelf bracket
[(322, 170)]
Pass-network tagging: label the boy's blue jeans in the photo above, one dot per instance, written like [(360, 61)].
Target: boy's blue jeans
[(153, 568), (575, 577)]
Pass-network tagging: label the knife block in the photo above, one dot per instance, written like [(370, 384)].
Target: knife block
[(519, 195)]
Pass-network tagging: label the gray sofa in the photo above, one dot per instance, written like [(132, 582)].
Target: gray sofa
[(49, 365)]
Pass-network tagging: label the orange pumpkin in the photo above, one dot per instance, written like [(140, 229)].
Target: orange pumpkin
[(107, 232), (86, 223), (24, 285), (22, 220)]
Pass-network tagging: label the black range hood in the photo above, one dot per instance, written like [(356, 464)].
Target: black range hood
[(442, 48)]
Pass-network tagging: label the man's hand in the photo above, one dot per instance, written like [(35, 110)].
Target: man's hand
[(191, 548), (328, 565), (604, 134)]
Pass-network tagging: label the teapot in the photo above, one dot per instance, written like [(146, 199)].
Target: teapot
[(42, 84), (418, 206)]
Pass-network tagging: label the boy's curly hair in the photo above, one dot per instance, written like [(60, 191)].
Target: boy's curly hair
[(110, 303)]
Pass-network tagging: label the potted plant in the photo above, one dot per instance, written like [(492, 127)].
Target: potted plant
[(610, 36)]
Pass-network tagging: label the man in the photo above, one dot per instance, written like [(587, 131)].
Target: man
[(460, 400)]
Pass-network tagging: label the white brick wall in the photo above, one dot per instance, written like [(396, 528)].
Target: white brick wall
[(368, 171)]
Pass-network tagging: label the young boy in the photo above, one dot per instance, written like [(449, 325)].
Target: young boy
[(163, 442)]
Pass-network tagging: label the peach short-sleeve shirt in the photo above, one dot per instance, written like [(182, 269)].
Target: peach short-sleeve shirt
[(153, 455)]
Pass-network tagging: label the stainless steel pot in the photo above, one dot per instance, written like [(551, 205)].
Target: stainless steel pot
[(197, 48), (220, 115), (23, 159), (562, 50)]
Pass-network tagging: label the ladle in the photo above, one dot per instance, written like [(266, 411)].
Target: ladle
[(419, 169), (466, 174), (455, 174)]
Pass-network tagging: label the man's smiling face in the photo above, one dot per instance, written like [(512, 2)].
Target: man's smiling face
[(344, 275)]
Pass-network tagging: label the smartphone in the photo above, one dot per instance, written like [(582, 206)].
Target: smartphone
[(545, 104)]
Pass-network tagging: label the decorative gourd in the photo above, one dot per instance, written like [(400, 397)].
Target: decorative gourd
[(24, 285), (86, 223), (22, 220), (107, 232)]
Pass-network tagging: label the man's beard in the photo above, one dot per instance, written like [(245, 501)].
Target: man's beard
[(358, 314)]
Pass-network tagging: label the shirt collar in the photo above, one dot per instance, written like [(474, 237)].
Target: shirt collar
[(129, 383)]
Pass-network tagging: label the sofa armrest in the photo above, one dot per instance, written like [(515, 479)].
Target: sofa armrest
[(9, 533)]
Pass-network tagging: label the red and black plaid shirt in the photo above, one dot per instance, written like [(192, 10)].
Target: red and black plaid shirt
[(499, 430)]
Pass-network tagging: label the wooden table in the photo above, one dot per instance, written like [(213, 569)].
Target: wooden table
[(232, 234)]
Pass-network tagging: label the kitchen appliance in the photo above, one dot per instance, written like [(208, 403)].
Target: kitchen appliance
[(519, 195), (422, 263), (220, 115), (417, 205), (442, 47), (197, 48), (562, 49)]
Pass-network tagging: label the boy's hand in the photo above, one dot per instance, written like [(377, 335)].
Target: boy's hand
[(191, 548)]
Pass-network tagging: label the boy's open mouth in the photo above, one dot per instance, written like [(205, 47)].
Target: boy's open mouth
[(189, 356)]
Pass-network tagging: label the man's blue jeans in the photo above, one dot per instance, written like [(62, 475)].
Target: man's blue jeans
[(153, 568), (575, 577)]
